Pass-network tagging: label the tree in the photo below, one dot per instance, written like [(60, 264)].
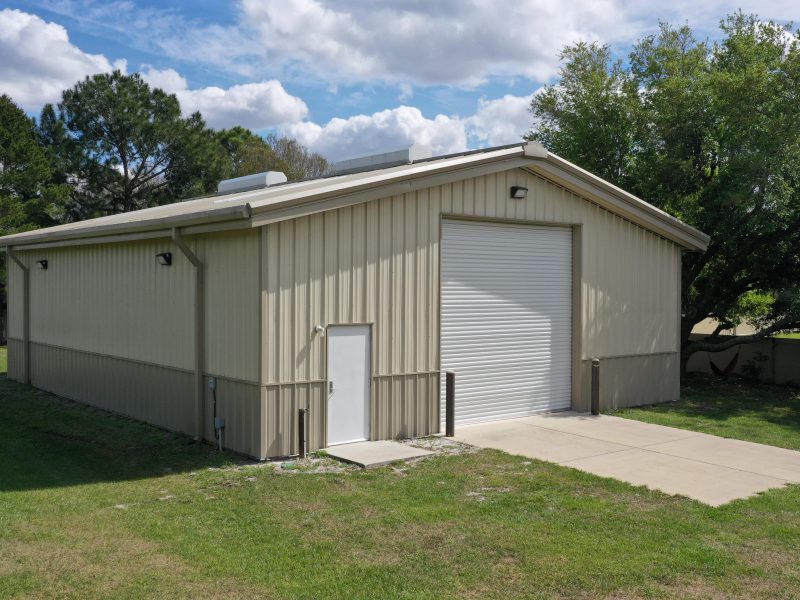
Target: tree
[(710, 133), (250, 153), (29, 195), (300, 163), (127, 146)]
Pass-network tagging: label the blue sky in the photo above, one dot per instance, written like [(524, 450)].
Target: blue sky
[(342, 76)]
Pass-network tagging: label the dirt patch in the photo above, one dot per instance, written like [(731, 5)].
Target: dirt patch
[(440, 445)]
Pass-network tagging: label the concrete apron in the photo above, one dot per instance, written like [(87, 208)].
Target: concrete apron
[(375, 454), (704, 467)]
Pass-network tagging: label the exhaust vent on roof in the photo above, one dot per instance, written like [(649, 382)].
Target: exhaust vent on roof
[(383, 160), (250, 182)]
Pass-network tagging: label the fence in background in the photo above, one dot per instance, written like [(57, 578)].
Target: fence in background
[(774, 360)]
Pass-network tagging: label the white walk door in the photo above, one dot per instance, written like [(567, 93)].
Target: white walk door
[(348, 383), (506, 318)]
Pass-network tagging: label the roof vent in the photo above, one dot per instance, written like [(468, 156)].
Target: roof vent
[(391, 158), (250, 182)]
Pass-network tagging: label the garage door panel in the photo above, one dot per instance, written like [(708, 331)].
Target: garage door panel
[(506, 318)]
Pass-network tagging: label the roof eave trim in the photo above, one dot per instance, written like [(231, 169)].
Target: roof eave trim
[(417, 171), (207, 217), (620, 202)]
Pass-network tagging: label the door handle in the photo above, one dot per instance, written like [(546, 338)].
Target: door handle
[(330, 387)]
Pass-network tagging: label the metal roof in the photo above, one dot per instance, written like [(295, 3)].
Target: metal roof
[(288, 200)]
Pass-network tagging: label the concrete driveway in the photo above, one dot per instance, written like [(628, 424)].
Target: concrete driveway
[(704, 467)]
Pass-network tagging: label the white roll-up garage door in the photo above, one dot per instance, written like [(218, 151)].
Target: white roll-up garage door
[(506, 318)]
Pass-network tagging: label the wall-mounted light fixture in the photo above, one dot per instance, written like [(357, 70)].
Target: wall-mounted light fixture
[(164, 258), (518, 192), (42, 264)]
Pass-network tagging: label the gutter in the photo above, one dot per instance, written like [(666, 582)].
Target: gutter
[(199, 333)]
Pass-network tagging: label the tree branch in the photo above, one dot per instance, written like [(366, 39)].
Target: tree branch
[(736, 340)]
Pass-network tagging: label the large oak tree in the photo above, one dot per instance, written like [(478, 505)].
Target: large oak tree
[(711, 133)]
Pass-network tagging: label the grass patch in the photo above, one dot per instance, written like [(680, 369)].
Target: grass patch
[(794, 335), (3, 360), (732, 408), (96, 506)]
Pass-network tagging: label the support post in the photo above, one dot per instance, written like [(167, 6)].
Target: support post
[(595, 386), (199, 333), (301, 432), (450, 404), (26, 315)]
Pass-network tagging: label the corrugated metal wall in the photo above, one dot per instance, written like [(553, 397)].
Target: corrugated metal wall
[(232, 264), (378, 262), (633, 380), (113, 328), (116, 300), (144, 391), (373, 262)]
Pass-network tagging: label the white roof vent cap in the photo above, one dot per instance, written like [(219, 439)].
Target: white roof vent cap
[(251, 182), (382, 160)]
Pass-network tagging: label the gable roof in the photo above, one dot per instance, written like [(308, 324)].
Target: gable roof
[(280, 202)]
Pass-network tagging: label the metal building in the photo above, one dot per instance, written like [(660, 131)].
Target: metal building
[(350, 295)]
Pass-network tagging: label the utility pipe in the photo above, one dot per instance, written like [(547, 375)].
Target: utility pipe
[(26, 315), (199, 332)]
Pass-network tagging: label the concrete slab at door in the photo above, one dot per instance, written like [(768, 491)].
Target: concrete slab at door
[(376, 454), (349, 373)]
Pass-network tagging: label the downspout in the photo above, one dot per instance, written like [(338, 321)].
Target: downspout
[(26, 315), (199, 333)]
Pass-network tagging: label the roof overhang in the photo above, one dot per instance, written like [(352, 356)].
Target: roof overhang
[(269, 205)]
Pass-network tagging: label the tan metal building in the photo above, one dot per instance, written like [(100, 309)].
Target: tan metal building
[(349, 295)]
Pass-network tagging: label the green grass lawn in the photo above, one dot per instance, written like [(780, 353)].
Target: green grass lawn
[(97, 506), (730, 408), (3, 360), (795, 335)]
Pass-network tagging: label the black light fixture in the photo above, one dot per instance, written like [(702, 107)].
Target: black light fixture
[(164, 258), (42, 264), (518, 192)]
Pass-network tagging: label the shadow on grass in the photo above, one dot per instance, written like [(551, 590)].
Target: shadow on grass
[(720, 399), (48, 442)]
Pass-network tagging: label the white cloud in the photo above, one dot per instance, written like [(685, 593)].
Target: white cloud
[(37, 60), (253, 105), (500, 121), (411, 42), (442, 42), (168, 80), (496, 122), (341, 138)]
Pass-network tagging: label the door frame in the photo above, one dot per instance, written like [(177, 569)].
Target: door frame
[(579, 403), (371, 325)]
